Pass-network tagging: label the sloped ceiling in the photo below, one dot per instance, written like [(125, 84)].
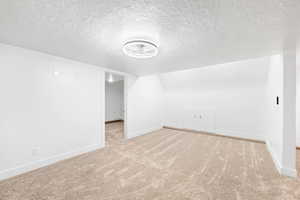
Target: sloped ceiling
[(189, 33)]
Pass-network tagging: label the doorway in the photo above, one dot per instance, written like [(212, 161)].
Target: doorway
[(114, 108)]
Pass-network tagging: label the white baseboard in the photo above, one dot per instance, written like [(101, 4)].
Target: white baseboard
[(8, 173), (282, 170), (289, 172), (132, 134), (249, 136), (274, 157), (226, 133)]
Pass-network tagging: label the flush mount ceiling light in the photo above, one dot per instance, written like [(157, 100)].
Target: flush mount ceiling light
[(140, 49)]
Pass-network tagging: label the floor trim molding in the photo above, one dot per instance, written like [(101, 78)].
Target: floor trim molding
[(274, 157), (113, 121), (214, 134), (282, 170), (25, 168), (133, 134)]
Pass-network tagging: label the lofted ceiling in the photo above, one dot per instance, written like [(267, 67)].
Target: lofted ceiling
[(188, 33)]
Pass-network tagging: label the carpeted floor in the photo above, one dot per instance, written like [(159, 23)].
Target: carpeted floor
[(165, 164), (114, 133)]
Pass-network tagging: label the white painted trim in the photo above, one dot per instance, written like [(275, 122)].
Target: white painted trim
[(289, 172), (103, 132), (258, 137), (125, 99), (274, 157), (238, 135), (8, 173), (282, 170), (133, 134)]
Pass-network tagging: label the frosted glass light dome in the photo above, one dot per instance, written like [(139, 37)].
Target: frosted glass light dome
[(140, 49)]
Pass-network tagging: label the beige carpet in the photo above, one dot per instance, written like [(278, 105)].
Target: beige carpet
[(165, 164), (114, 133)]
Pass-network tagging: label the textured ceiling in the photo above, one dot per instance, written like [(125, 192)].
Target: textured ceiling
[(189, 33)]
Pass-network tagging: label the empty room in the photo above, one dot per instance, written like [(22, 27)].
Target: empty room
[(149, 99)]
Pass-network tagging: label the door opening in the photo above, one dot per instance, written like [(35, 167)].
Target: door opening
[(114, 109)]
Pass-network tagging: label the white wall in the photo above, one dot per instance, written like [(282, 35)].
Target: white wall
[(289, 113), (274, 112), (225, 99), (239, 99), (51, 109), (281, 119), (298, 95), (144, 105), (114, 100), (298, 106)]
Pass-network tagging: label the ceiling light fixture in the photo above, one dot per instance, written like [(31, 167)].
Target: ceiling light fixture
[(140, 49)]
